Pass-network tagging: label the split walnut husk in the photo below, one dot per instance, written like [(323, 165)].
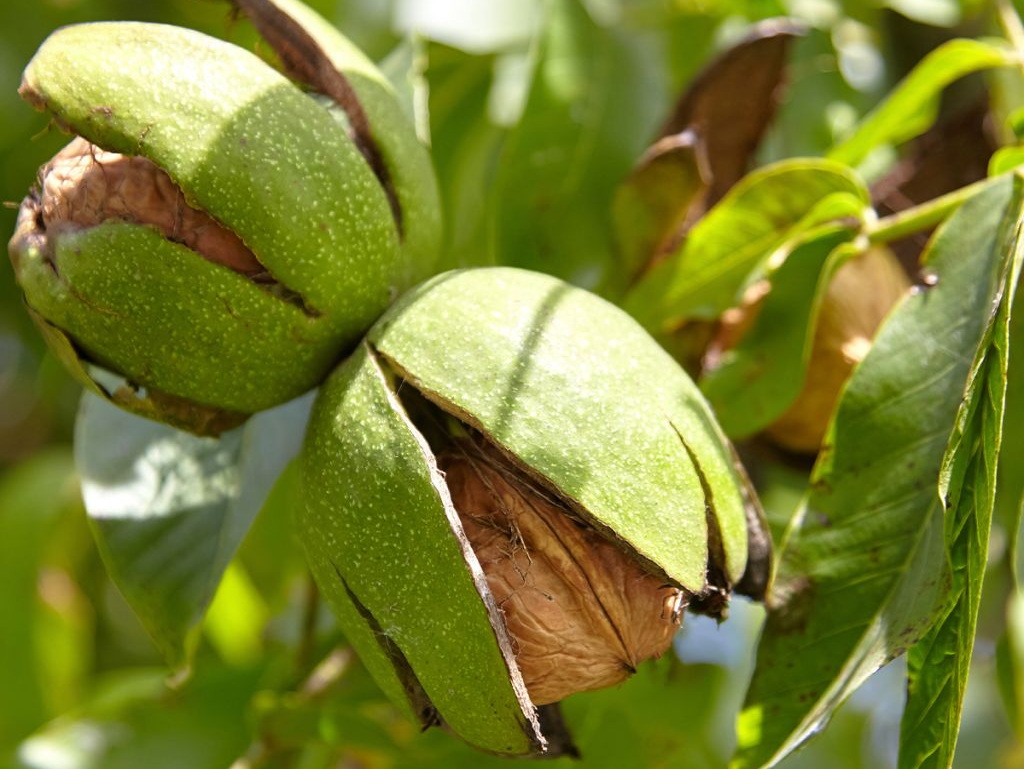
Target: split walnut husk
[(511, 494), (219, 233), (582, 612), (84, 186)]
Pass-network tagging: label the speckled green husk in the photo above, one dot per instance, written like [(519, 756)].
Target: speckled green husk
[(406, 158), (267, 161), (582, 399)]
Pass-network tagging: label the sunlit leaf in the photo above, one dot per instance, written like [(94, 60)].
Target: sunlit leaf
[(1006, 159), (235, 619), (912, 106), (940, 662), (271, 554), (761, 376), (863, 568), (769, 207), (943, 13), (169, 509)]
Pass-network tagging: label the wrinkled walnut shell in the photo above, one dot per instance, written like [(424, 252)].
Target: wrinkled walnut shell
[(84, 186), (582, 613)]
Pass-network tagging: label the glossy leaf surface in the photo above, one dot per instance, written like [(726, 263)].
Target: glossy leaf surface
[(912, 106), (863, 568), (169, 509), (940, 663), (770, 206)]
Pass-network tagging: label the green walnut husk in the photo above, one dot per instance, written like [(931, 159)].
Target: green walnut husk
[(320, 194), (571, 407)]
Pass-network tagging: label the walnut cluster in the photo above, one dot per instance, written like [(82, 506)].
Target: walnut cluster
[(84, 186), (582, 612)]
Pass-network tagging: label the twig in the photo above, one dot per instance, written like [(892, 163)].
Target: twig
[(923, 216)]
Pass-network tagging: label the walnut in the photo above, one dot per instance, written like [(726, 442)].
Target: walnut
[(582, 613), (859, 296), (84, 186)]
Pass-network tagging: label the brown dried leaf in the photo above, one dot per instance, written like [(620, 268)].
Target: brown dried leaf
[(651, 205), (732, 101)]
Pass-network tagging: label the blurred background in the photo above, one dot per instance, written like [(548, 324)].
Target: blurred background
[(81, 685)]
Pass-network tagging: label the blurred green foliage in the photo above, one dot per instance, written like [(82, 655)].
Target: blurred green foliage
[(534, 116)]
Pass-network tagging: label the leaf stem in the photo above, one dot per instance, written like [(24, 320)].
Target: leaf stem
[(923, 216)]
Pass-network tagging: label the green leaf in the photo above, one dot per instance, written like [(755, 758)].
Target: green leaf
[(590, 112), (940, 13), (1010, 481), (758, 379), (403, 68), (940, 663), (134, 720), (862, 570), (236, 618), (169, 509), (1005, 159), (767, 208), (912, 106)]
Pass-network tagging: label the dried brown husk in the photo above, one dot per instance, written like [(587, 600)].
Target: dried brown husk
[(84, 186), (582, 612), (859, 297)]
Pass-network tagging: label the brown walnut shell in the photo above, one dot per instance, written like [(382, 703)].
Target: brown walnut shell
[(582, 613), (83, 186)]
